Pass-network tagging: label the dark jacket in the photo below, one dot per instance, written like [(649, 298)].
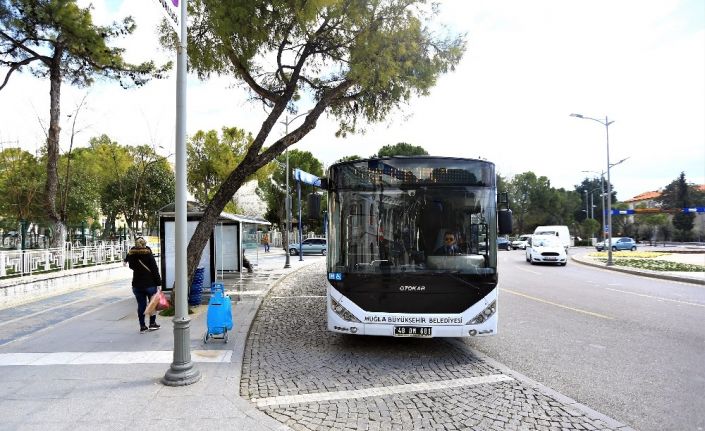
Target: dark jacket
[(449, 250), (145, 272)]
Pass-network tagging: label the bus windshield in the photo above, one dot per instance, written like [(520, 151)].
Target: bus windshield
[(387, 218)]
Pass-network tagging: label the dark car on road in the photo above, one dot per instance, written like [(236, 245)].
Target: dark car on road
[(503, 244)]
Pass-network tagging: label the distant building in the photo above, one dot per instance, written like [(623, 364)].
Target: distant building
[(648, 200)]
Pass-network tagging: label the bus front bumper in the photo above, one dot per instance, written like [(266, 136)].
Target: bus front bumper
[(337, 324)]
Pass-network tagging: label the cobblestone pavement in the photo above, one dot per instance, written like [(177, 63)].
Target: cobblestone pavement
[(310, 379)]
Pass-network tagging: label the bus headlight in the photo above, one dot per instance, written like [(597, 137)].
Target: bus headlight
[(484, 314), (342, 312)]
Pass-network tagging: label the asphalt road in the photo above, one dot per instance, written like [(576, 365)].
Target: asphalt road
[(630, 347)]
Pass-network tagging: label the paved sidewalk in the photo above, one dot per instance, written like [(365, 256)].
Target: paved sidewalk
[(96, 371)]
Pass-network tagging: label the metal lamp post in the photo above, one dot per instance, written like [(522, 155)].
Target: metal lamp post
[(287, 205), (182, 371), (606, 122), (602, 199), (603, 194)]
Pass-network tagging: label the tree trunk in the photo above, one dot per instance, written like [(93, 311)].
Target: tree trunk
[(59, 238), (52, 183), (210, 216)]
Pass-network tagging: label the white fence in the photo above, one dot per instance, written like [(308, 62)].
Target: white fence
[(19, 263)]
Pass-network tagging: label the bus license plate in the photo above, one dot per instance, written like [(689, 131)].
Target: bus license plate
[(412, 331)]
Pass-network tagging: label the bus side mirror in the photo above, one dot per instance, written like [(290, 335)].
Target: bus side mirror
[(504, 221)]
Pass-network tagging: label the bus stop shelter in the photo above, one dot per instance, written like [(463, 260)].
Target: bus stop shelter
[(232, 235)]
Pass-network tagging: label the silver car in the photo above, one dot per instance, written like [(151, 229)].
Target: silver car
[(310, 246), (521, 241), (618, 243)]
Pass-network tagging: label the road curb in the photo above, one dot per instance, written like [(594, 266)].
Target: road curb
[(545, 390), (643, 272)]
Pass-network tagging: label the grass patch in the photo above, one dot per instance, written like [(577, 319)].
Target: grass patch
[(655, 265)]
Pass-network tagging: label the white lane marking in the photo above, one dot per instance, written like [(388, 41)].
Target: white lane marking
[(658, 298), (530, 271), (589, 313), (108, 358), (46, 328), (89, 298), (298, 296), (379, 391)]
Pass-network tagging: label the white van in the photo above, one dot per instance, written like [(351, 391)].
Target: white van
[(559, 231)]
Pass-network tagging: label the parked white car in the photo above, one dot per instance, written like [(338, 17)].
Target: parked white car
[(546, 249), (521, 241)]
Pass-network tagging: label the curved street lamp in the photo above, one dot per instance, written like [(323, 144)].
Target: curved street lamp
[(606, 122)]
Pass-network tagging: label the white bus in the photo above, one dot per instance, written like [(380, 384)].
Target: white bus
[(412, 247)]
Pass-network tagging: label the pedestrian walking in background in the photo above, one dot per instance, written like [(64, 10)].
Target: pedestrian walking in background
[(145, 280), (265, 241)]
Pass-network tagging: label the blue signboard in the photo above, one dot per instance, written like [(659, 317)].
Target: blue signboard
[(307, 178)]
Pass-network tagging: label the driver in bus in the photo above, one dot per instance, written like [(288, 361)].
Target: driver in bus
[(449, 247)]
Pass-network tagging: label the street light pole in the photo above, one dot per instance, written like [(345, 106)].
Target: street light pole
[(602, 201), (609, 194), (182, 371), (605, 123), (287, 204), (592, 205)]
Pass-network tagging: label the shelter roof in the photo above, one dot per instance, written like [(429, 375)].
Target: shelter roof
[(195, 210)]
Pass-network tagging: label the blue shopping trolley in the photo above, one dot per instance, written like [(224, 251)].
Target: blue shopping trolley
[(219, 317)]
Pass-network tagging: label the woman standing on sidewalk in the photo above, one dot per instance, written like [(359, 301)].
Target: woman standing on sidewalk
[(145, 280)]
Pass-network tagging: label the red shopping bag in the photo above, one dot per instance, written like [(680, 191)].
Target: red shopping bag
[(163, 303)]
